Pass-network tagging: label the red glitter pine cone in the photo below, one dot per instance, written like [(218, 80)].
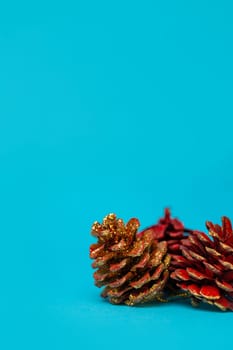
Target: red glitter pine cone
[(132, 267), (205, 269)]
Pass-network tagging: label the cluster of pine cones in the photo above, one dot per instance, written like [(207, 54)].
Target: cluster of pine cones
[(163, 261)]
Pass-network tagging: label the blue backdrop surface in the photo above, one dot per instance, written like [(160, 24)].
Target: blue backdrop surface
[(107, 106)]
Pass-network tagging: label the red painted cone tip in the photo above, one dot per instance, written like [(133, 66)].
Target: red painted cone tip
[(182, 274), (227, 227), (196, 274), (210, 292), (194, 289), (223, 304)]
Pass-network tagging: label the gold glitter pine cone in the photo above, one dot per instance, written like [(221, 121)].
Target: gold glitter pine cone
[(132, 267), (206, 268)]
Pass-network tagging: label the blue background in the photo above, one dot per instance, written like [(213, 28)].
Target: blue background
[(107, 106)]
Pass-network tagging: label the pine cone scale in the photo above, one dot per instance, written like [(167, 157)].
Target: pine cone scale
[(213, 252), (193, 273), (148, 294), (217, 270), (193, 289), (210, 292), (226, 248), (144, 260), (223, 304), (226, 264), (224, 285), (138, 248), (196, 256), (142, 281), (100, 261), (96, 250), (120, 281), (157, 273), (114, 267)]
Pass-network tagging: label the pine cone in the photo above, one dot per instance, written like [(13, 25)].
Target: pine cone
[(170, 230), (132, 267), (206, 267)]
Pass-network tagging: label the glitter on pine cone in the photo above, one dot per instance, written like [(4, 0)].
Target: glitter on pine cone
[(170, 230), (206, 268), (133, 268)]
